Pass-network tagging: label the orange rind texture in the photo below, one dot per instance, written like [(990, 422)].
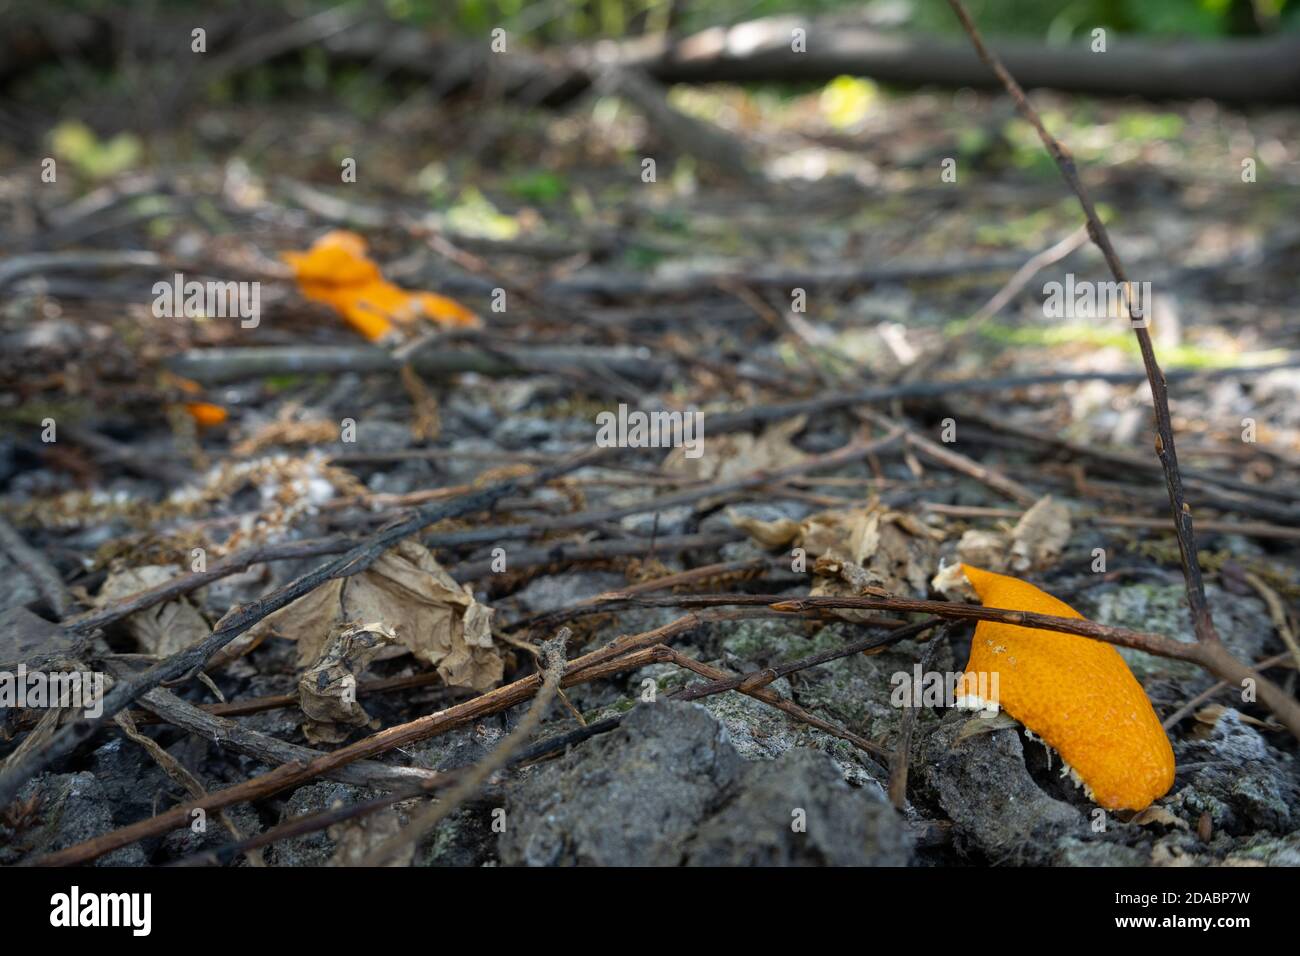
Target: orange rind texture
[(1075, 693), (337, 272)]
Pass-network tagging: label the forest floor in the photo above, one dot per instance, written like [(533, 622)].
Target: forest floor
[(218, 460)]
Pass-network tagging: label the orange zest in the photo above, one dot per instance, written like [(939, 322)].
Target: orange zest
[(337, 272), (1075, 693)]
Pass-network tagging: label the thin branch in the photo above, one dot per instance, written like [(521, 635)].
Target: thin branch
[(1210, 652)]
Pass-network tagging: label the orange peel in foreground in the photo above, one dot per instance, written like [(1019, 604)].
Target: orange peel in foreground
[(1075, 693), (337, 272)]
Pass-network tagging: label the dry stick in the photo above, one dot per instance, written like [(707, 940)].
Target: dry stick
[(956, 461), (553, 658), (270, 750), (898, 761), (593, 604), (34, 564), (625, 653), (1277, 611), (239, 619), (256, 705), (875, 599), (186, 583), (1211, 653), (1251, 529), (1216, 688)]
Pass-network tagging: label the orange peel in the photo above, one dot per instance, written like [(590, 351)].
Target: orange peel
[(1074, 693), (206, 414), (337, 272)]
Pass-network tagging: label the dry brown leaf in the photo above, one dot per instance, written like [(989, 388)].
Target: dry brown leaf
[(406, 589), (1040, 536), (161, 630), (1159, 815), (354, 839), (770, 534), (729, 456), (983, 549), (327, 691)]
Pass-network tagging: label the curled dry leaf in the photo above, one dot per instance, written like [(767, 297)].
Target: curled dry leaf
[(327, 691), (354, 839), (984, 549), (161, 630), (1040, 536), (855, 548), (728, 456), (431, 615)]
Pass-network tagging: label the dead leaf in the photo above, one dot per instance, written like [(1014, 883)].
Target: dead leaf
[(1160, 816), (161, 630), (1040, 536), (984, 549), (327, 691), (406, 589), (729, 456)]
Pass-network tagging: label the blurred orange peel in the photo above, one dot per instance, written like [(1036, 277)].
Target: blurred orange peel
[(337, 272), (1075, 694), (204, 414)]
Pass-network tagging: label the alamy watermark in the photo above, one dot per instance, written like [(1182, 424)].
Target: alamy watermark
[(82, 690), (214, 300), (661, 429), (1084, 299), (964, 690)]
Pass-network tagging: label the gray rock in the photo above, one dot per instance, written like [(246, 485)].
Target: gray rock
[(1234, 775), (73, 808), (565, 590), (1242, 622), (982, 784), (313, 849), (632, 797), (798, 811)]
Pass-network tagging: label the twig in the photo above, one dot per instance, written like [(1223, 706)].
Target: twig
[(1215, 689), (1210, 650), (30, 561), (878, 600), (898, 761), (553, 658), (1007, 487)]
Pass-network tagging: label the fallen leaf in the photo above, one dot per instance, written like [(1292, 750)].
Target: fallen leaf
[(161, 630), (327, 691), (984, 549), (729, 456), (1161, 816), (1040, 536), (406, 589)]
